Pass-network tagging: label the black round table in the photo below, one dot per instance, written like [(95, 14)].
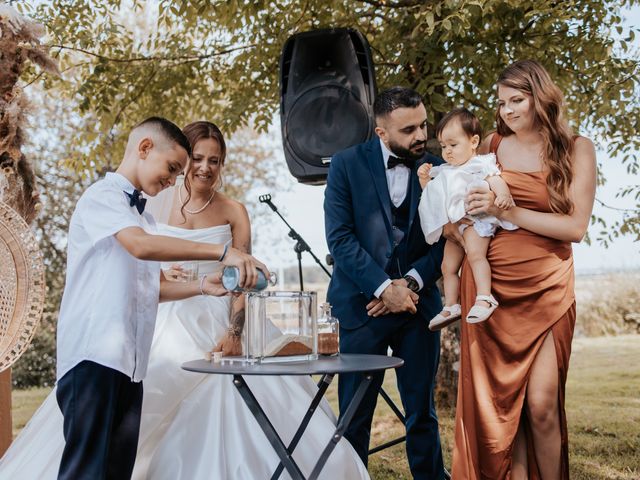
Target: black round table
[(325, 366)]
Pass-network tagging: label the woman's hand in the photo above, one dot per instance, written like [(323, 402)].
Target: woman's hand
[(451, 231), (230, 345), (212, 285), (480, 201)]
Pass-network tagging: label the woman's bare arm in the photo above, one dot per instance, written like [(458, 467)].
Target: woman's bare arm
[(171, 291), (567, 227), (241, 232)]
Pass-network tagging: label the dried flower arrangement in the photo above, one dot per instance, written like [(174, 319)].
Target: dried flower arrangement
[(19, 43)]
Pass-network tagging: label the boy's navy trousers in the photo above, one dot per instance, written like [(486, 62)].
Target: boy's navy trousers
[(101, 408)]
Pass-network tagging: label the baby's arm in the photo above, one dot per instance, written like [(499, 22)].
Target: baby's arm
[(501, 189), (424, 174)]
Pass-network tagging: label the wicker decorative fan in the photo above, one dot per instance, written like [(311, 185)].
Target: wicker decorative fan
[(22, 285)]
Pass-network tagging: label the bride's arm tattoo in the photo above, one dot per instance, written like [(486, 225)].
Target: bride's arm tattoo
[(245, 247), (236, 322)]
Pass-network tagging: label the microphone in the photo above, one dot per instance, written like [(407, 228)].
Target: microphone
[(267, 199)]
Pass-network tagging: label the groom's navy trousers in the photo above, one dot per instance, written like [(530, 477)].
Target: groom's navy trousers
[(371, 241), (101, 408)]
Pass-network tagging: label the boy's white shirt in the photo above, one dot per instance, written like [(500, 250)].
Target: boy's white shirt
[(110, 300)]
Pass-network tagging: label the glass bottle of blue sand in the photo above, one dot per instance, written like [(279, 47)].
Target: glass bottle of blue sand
[(231, 278)]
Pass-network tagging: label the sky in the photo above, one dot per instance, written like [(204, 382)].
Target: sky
[(301, 205)]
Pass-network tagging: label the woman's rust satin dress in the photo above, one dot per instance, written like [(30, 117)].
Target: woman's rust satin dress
[(533, 280)]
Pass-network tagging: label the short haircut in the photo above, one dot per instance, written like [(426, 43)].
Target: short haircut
[(167, 129), (468, 121), (393, 98)]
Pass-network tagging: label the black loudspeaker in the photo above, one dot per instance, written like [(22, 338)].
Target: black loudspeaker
[(327, 89)]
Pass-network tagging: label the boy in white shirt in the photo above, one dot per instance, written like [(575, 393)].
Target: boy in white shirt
[(109, 305)]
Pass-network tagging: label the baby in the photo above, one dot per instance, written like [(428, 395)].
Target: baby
[(445, 188)]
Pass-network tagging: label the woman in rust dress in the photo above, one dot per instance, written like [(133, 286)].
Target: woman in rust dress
[(510, 418)]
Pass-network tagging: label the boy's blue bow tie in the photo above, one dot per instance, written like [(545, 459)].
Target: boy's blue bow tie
[(137, 199)]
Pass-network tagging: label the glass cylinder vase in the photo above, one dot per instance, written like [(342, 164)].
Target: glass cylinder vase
[(281, 327)]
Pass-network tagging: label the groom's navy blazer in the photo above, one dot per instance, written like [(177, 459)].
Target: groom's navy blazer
[(358, 225)]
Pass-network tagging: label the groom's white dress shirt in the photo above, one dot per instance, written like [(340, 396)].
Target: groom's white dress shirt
[(110, 300), (397, 182)]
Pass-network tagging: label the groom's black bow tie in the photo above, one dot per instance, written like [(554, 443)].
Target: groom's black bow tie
[(136, 199), (395, 161)]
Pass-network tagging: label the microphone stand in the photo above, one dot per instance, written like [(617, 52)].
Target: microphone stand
[(300, 246)]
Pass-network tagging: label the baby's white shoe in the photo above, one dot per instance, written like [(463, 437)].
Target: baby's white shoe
[(440, 321), (478, 313)]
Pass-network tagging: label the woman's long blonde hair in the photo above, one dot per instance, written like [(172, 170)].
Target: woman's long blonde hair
[(530, 77)]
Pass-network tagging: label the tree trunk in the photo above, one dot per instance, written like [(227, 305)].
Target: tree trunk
[(447, 378)]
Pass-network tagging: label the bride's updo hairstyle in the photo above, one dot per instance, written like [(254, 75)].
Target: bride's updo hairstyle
[(195, 132), (529, 77)]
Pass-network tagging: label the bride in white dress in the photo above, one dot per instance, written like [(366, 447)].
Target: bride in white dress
[(196, 426)]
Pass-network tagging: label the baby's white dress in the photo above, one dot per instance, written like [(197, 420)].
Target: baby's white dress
[(443, 198)]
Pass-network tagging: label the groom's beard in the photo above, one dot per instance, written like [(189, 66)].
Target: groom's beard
[(415, 151)]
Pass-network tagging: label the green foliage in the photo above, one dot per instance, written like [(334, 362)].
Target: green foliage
[(37, 366), (125, 60), (218, 60)]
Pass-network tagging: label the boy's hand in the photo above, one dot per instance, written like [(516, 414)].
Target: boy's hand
[(247, 265), (505, 202), (212, 285), (424, 174)]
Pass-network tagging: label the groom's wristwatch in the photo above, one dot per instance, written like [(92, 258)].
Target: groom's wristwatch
[(412, 283)]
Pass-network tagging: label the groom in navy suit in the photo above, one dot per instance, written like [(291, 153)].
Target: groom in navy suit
[(383, 287)]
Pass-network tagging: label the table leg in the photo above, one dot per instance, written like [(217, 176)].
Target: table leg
[(344, 422), (267, 428), (400, 416), (323, 384)]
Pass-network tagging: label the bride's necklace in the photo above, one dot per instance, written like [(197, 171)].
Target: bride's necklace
[(194, 212)]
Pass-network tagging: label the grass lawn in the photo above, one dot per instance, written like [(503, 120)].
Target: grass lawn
[(603, 410)]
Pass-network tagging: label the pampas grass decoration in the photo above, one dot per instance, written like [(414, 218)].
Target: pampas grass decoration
[(19, 43)]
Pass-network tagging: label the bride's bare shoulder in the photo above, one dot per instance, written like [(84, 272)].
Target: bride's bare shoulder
[(232, 209)]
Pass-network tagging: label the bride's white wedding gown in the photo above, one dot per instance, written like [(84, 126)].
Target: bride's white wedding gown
[(196, 426)]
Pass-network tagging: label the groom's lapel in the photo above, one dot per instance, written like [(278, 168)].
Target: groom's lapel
[(376, 167)]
